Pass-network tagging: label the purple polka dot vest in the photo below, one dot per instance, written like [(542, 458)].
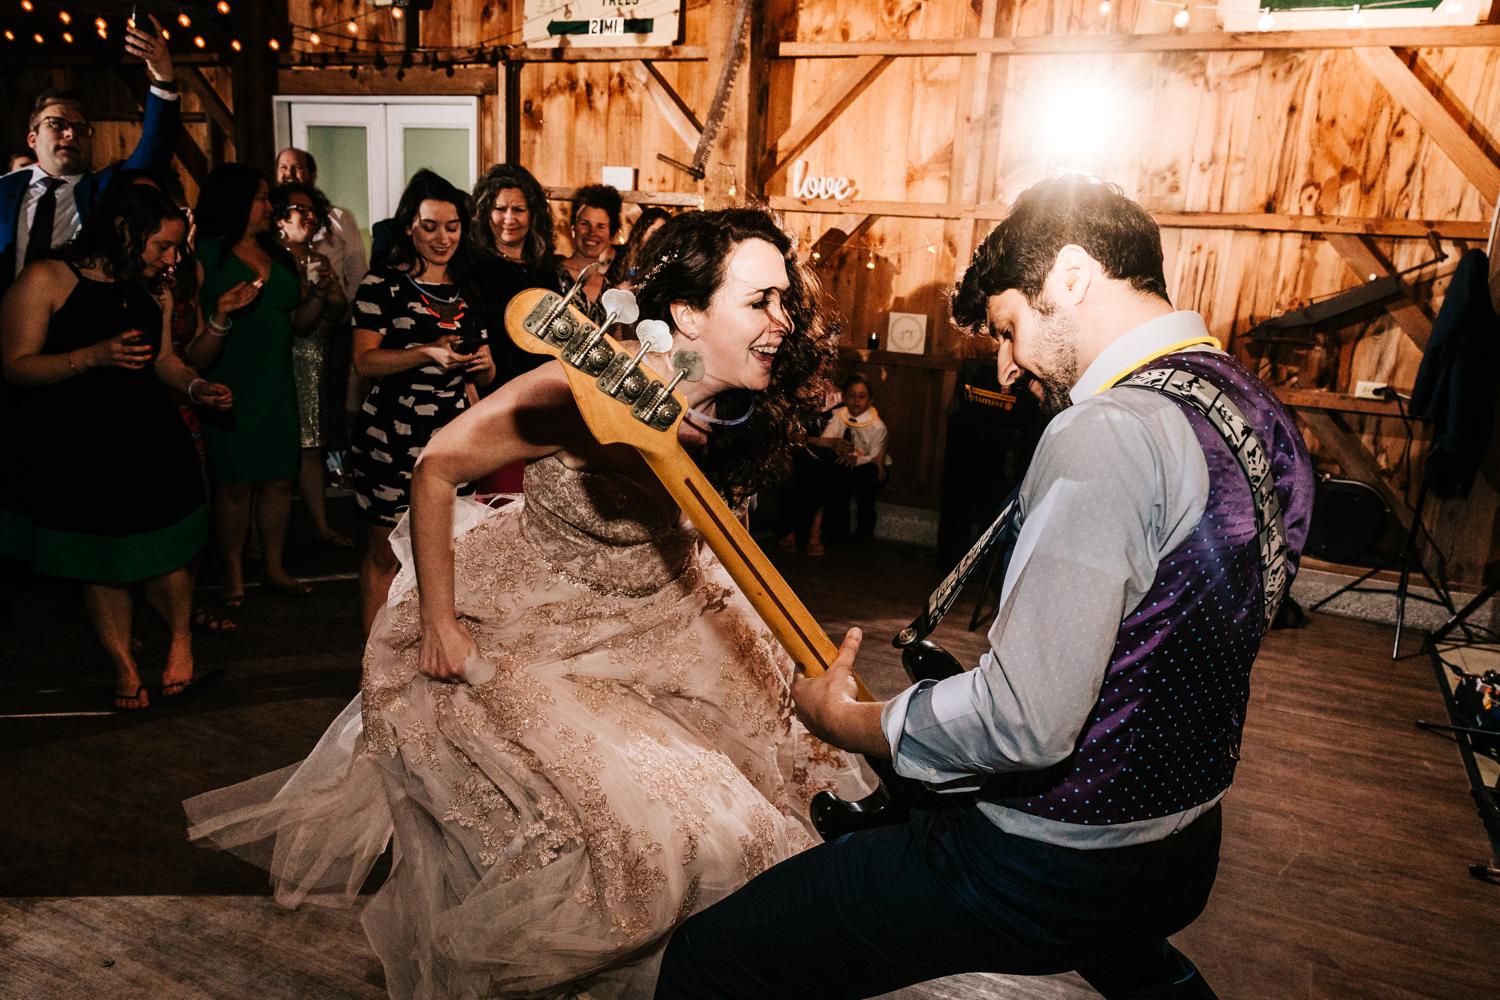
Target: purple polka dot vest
[(1164, 734)]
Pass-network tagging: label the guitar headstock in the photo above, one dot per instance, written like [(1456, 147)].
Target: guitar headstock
[(622, 403)]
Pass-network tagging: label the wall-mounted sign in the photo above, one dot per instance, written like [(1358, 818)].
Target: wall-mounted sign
[(803, 186), (597, 23)]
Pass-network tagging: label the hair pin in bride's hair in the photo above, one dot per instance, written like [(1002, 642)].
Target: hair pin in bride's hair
[(666, 259)]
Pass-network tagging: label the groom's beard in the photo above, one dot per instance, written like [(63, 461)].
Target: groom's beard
[(1057, 334)]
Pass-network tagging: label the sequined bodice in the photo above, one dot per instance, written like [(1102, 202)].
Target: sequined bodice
[(603, 529)]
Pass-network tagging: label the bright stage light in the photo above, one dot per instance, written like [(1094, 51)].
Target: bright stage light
[(1078, 123)]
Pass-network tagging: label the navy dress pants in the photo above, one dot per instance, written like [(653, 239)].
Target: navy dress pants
[(950, 892)]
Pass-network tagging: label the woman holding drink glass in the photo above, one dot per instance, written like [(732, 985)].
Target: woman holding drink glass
[(106, 486)]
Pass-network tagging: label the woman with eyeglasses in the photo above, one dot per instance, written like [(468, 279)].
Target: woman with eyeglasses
[(254, 452), (302, 211), (106, 472)]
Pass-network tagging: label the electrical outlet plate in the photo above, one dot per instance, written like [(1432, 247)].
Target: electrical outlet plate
[(1368, 390)]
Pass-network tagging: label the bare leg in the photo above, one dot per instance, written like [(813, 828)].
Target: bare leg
[(171, 594), (231, 521), (273, 511), (310, 480), (109, 611), (815, 534), (376, 573)]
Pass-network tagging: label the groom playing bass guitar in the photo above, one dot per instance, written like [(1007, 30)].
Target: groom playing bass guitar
[(1159, 526)]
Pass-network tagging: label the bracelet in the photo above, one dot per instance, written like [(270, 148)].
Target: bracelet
[(193, 385), (216, 329)]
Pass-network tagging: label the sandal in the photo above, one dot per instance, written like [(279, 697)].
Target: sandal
[(142, 702), (205, 622), (175, 690)]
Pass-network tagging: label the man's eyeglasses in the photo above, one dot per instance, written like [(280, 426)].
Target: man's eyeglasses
[(302, 210), (61, 125)]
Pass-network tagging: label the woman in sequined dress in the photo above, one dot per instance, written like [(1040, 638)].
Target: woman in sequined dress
[(572, 725)]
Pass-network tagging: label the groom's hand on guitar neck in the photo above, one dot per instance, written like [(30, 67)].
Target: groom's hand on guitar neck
[(829, 706)]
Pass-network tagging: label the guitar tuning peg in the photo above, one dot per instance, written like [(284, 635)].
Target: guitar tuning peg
[(620, 307), (654, 335), (688, 365)]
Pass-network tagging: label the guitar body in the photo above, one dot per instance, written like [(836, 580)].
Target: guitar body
[(622, 405)]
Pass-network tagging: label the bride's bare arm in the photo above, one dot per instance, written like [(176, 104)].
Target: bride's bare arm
[(530, 417)]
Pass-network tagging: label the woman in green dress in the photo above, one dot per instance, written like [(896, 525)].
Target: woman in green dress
[(253, 452)]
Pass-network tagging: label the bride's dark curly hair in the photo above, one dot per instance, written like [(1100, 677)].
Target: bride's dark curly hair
[(685, 261)]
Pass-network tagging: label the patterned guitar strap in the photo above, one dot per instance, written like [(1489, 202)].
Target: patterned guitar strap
[(1254, 462)]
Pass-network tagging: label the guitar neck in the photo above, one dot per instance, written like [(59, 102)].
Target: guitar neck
[(786, 617)]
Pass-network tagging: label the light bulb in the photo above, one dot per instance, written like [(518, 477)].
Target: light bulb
[(315, 39), (222, 7), (166, 34), (397, 13), (1266, 22), (1181, 18), (1105, 7), (1356, 17), (65, 17), (101, 24), (732, 189), (199, 41), (235, 44), (67, 36), (184, 20), (870, 264), (38, 38), (10, 36), (353, 28), (815, 254), (28, 7), (275, 44)]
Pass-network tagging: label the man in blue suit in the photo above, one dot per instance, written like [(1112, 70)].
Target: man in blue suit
[(43, 206)]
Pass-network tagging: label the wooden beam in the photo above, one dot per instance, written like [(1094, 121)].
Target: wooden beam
[(1409, 91), (731, 162), (669, 102), (1478, 36), (1248, 221), (824, 111), (508, 78), (672, 199), (1355, 459), (1368, 264), (1335, 402), (624, 53), (192, 157), (466, 80), (193, 78), (843, 229)]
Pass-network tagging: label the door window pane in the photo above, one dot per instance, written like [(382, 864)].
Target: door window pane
[(344, 169), (445, 150)]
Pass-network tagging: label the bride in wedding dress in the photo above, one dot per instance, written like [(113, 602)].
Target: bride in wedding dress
[(573, 731)]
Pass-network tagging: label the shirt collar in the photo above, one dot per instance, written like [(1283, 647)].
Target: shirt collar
[(37, 174), (1133, 348)]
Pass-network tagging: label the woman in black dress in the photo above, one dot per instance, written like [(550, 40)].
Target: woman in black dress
[(106, 476), (513, 251), (418, 339)]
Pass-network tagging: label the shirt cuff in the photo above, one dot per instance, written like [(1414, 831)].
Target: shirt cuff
[(893, 723), (164, 94)]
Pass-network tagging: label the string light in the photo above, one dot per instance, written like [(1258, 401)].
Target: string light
[(315, 39), (199, 41), (1181, 18), (28, 6), (235, 44), (870, 263), (10, 36), (352, 27), (1105, 7), (222, 7), (397, 13), (1266, 22), (184, 20), (275, 44), (1356, 17), (67, 36), (65, 17), (101, 23), (815, 254), (38, 38), (166, 34)]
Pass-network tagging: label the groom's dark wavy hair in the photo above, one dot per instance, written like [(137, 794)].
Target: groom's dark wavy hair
[(1049, 215), (685, 261)]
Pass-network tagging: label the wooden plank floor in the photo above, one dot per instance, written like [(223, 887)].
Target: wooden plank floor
[(1346, 840)]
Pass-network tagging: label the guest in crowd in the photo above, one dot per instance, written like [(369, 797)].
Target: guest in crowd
[(423, 346), (45, 207), (626, 268), (18, 161), (339, 240), (104, 468), (513, 251), (854, 467), (253, 452), (595, 220), (800, 499), (301, 211)]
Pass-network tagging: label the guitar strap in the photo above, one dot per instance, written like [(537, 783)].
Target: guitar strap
[(1254, 462)]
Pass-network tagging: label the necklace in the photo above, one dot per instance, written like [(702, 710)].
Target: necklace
[(447, 311), (732, 422)]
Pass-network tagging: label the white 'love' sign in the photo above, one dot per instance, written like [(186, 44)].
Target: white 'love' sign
[(803, 186)]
